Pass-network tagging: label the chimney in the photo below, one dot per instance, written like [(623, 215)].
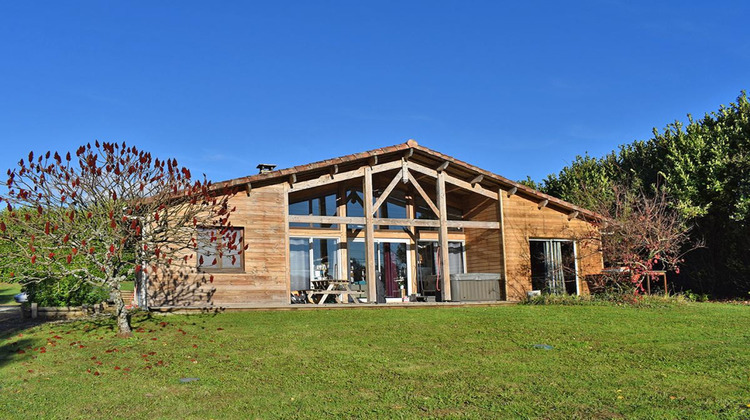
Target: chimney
[(265, 167)]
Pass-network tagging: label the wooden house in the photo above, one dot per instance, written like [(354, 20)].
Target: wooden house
[(388, 223)]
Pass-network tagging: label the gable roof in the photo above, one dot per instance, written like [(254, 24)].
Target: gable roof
[(420, 154)]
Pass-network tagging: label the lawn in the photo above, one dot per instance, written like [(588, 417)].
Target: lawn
[(7, 291), (689, 361)]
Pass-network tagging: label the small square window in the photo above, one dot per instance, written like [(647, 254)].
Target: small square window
[(220, 249)]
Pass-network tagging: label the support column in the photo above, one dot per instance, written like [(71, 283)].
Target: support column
[(369, 236), (501, 219), (445, 268)]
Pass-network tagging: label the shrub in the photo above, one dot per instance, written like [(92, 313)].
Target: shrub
[(604, 299), (67, 291)]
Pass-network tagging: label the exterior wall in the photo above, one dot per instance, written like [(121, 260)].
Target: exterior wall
[(524, 220), (265, 280), (483, 248), (265, 277)]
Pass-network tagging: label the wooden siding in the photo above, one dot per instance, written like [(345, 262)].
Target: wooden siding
[(263, 215), (524, 220), (483, 249), (265, 279)]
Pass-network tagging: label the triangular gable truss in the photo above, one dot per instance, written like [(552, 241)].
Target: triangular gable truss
[(404, 175)]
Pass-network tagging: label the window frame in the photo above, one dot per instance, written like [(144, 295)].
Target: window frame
[(218, 268)]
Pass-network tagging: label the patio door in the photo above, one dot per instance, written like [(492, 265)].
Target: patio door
[(553, 266), (392, 270)]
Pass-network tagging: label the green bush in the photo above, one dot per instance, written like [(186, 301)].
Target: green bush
[(607, 299), (695, 297), (67, 291)]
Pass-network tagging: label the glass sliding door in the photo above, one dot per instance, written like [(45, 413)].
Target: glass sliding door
[(357, 267), (553, 266), (299, 263), (392, 268), (312, 259), (428, 266)]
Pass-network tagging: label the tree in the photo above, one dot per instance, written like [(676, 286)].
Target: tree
[(703, 167), (642, 233), (106, 213)]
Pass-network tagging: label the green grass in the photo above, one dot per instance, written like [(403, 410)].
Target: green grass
[(127, 286), (7, 291), (685, 361)]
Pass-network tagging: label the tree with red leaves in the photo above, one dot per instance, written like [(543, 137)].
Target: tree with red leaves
[(641, 233), (105, 214)]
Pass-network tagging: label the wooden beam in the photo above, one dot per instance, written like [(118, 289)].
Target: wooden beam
[(287, 256), (405, 222), (344, 176), (424, 195), (248, 189), (572, 215), (443, 166), (409, 153), (386, 193), (501, 219), (478, 189), (369, 236), (386, 166), (379, 221), (328, 179), (543, 203), (333, 170), (472, 224), (476, 180), (404, 171), (326, 220), (445, 268), (512, 191)]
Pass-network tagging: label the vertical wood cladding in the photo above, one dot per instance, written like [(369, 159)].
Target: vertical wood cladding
[(524, 220), (483, 249)]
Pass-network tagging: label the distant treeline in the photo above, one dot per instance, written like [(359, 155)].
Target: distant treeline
[(705, 168)]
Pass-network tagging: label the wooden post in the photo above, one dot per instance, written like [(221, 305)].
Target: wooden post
[(501, 219), (445, 268), (34, 309), (287, 252), (343, 272), (369, 237)]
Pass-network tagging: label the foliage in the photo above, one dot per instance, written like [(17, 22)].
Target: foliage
[(103, 215), (609, 299), (607, 361), (641, 233), (702, 167), (67, 291)]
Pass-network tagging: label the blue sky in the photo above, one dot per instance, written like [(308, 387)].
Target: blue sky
[(518, 88)]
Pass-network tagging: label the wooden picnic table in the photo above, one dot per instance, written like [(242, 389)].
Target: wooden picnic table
[(341, 289)]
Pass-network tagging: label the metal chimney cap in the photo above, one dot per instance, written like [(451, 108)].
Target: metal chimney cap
[(265, 167)]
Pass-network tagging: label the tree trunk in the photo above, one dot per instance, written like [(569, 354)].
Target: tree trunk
[(123, 318)]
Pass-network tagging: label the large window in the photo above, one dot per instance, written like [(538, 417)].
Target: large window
[(428, 264), (315, 206), (553, 266), (393, 208), (312, 259), (423, 211), (220, 249)]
